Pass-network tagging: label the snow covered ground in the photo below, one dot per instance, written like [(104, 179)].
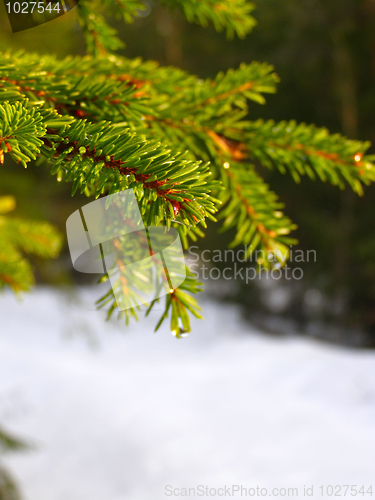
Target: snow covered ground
[(119, 414)]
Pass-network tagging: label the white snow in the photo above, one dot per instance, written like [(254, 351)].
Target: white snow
[(118, 413)]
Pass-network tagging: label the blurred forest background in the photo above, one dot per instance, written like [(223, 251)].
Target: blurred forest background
[(324, 53)]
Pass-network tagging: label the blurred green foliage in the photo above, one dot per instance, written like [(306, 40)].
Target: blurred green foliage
[(8, 488)]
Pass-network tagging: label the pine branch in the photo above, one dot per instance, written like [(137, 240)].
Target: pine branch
[(232, 15), (178, 303), (100, 158), (306, 150), (108, 123), (100, 37), (256, 213), (20, 132), (103, 159), (208, 122), (118, 90)]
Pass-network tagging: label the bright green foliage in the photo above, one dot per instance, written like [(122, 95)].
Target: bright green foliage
[(102, 158), (108, 123), (18, 237), (20, 132), (306, 150), (255, 211), (178, 304)]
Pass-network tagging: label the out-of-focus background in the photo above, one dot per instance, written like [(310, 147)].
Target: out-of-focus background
[(277, 386)]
